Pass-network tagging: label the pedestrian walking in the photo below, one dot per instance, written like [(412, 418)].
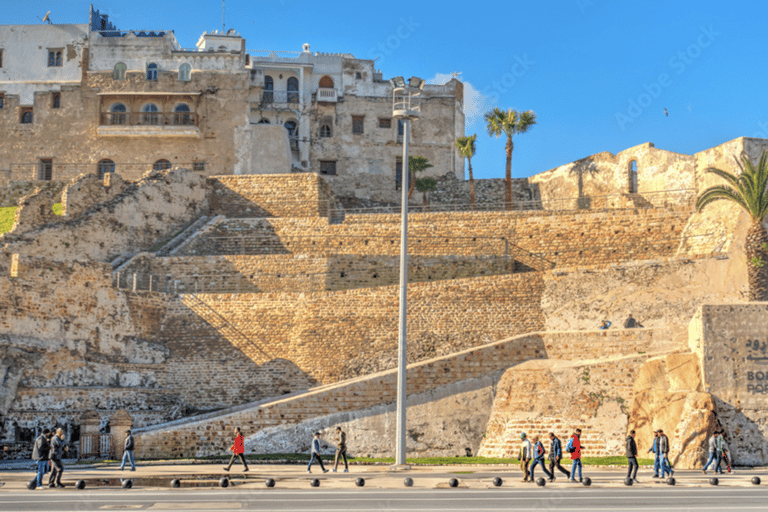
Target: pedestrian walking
[(631, 323), (128, 446), (538, 458), (656, 454), (40, 452), (632, 456), (55, 455), (341, 449), (556, 455), (666, 467), (714, 454), (574, 448), (238, 450), (525, 455), (725, 454), (315, 454)]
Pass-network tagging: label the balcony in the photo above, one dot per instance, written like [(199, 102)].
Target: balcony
[(326, 95), (149, 124), (279, 99)]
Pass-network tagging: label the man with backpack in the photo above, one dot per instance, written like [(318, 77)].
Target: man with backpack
[(574, 448), (666, 467), (556, 455), (40, 455), (538, 458), (632, 456), (525, 455)]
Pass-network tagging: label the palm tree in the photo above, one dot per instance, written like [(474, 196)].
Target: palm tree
[(416, 164), (509, 123), (425, 185), (748, 190), (467, 148)]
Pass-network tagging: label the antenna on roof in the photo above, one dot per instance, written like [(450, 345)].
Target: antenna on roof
[(223, 18), (46, 18)]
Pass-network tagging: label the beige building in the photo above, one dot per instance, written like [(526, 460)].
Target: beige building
[(106, 100)]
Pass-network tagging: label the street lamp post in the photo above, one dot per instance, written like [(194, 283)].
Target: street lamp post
[(406, 106)]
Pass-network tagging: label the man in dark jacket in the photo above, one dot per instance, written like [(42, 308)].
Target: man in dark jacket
[(128, 451), (538, 458), (556, 455), (55, 456), (666, 467), (656, 454), (632, 456), (40, 455)]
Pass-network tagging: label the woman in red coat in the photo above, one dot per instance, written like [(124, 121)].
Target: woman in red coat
[(237, 450)]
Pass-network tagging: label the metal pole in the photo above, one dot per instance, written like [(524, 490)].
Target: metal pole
[(402, 340)]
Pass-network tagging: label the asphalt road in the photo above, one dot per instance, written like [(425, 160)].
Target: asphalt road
[(562, 499)]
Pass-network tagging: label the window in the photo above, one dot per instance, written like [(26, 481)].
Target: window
[(198, 166), (293, 90), (1, 57), (26, 115), (161, 165), (56, 100), (328, 167), (181, 115), (45, 169), (326, 82), (185, 72), (105, 166), (119, 72), (400, 128), (150, 115), (2, 100), (633, 177), (357, 124), (325, 131), (398, 173), (263, 120), (117, 114), (358, 75), (54, 58), (293, 134), (269, 86), (151, 71), (385, 122)]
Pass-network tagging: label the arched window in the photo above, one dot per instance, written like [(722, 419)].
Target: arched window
[(185, 72), (293, 134), (293, 90), (633, 177), (117, 114), (325, 131), (151, 71), (105, 166), (269, 86), (150, 115), (26, 116), (119, 72), (326, 82), (161, 165), (181, 114)]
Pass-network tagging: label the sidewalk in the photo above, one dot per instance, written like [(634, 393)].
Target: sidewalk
[(295, 476)]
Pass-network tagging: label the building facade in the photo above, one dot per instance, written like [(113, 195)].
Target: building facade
[(99, 99)]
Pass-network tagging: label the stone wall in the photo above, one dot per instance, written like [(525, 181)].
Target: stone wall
[(15, 190)]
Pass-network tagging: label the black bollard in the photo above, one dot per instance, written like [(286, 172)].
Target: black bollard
[(360, 482), (127, 484), (453, 482), (224, 482), (270, 482), (314, 482), (497, 482), (756, 480), (714, 481), (671, 481), (175, 483), (408, 482), (80, 484), (628, 481), (587, 482), (541, 482)]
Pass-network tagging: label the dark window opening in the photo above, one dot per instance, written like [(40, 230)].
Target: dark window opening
[(54, 58), (161, 165), (105, 166), (1, 58), (325, 131), (26, 115), (45, 169), (293, 90), (328, 167), (2, 100), (398, 173), (198, 166), (151, 71), (385, 122), (269, 87), (357, 124), (56, 100), (633, 177)]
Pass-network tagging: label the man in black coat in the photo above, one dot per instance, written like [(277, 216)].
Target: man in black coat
[(632, 456), (40, 455)]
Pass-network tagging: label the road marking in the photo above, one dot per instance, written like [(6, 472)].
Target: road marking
[(184, 505)]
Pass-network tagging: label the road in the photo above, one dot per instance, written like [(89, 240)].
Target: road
[(562, 499)]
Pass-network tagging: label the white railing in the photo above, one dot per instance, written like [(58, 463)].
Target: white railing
[(326, 94)]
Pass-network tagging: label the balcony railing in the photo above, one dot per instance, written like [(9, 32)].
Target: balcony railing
[(149, 119), (280, 98), (326, 94)]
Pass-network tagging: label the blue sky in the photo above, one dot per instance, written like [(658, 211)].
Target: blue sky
[(598, 73)]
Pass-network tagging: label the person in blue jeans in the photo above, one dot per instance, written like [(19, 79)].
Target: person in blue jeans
[(656, 454), (538, 458), (40, 455), (576, 454), (316, 454), (128, 451), (714, 454)]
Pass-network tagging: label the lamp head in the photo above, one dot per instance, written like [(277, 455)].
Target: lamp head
[(416, 82), (397, 81)]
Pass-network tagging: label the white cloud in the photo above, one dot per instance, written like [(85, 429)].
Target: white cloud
[(475, 103)]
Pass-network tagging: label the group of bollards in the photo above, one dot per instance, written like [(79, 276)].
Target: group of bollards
[(408, 482)]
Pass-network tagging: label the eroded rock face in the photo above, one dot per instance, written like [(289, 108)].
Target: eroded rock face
[(698, 422)]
